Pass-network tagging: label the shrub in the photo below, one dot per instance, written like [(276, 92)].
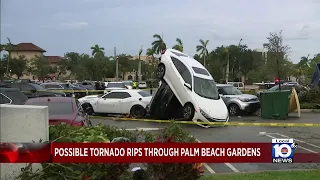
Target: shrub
[(100, 133), (177, 171), (310, 96)]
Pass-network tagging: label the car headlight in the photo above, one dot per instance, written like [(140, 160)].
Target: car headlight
[(204, 114), (244, 99)]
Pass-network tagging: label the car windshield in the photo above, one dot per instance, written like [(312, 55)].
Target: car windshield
[(127, 83), (231, 90), (37, 87), (56, 108), (274, 88), (206, 88), (142, 83), (116, 85), (144, 94)]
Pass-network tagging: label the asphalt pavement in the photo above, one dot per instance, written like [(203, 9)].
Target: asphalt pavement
[(308, 138)]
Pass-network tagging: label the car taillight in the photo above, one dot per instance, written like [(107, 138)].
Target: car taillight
[(163, 51)]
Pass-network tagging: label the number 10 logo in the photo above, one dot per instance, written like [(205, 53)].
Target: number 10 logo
[(282, 151)]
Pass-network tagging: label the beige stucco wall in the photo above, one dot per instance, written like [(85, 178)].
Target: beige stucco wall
[(28, 54)]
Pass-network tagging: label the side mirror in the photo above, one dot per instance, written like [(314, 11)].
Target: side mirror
[(187, 85)]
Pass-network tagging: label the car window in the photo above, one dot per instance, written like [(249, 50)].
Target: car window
[(17, 85), (183, 70), (116, 85), (27, 87), (117, 95), (230, 90), (144, 94), (52, 86), (179, 54), (66, 86), (4, 99), (55, 108), (206, 88), (200, 71), (179, 65), (36, 86)]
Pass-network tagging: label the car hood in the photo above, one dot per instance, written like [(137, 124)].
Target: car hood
[(248, 96), (216, 109), (90, 97)]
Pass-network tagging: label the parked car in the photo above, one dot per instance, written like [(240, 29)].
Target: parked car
[(286, 86), (62, 110), (128, 84), (32, 90), (131, 102), (88, 85), (12, 96), (236, 101), (142, 85), (110, 86), (193, 86), (59, 86)]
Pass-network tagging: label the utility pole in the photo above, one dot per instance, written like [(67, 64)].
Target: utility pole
[(117, 64)]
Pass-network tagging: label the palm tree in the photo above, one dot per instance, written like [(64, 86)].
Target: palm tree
[(202, 48), (8, 47), (96, 49), (139, 64), (151, 52), (158, 45), (179, 45)]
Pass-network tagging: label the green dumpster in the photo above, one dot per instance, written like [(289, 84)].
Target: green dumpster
[(274, 104)]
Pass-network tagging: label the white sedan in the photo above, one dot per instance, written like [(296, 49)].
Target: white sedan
[(131, 101)]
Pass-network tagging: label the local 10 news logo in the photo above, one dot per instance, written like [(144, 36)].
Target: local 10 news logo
[(283, 150)]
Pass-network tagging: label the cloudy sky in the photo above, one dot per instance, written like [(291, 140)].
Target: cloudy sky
[(60, 26)]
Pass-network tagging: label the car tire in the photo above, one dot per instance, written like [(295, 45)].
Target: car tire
[(161, 70), (137, 111), (88, 108), (233, 109), (188, 111)]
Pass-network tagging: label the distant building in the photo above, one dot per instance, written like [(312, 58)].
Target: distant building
[(30, 51)]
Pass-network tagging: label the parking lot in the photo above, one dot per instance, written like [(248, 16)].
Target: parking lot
[(308, 138)]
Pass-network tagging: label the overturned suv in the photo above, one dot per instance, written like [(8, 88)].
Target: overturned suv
[(187, 92)]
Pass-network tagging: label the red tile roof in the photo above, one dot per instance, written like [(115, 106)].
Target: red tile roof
[(54, 59), (28, 47)]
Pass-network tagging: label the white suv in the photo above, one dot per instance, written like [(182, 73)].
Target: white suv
[(193, 86)]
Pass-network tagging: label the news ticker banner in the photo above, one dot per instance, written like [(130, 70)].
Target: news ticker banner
[(279, 151)]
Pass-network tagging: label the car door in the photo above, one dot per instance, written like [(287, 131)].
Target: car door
[(185, 76), (110, 103)]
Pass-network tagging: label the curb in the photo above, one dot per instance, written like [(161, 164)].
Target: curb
[(309, 110)]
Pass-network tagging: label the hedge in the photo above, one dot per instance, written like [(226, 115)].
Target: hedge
[(103, 133)]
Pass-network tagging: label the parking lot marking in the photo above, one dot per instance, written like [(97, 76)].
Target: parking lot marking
[(298, 146), (234, 169), (214, 123), (313, 145), (205, 164)]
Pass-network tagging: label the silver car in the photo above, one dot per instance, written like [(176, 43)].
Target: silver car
[(236, 101)]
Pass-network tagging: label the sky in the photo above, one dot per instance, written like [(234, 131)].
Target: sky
[(61, 26)]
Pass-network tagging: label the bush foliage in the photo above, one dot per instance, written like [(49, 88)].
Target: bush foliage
[(103, 133)]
